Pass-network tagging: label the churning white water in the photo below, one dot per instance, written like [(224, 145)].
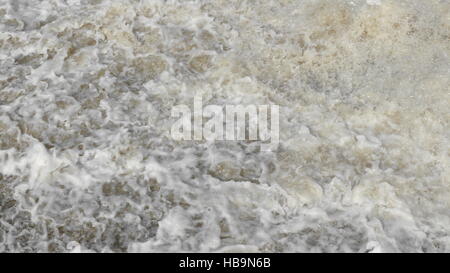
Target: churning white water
[(87, 162)]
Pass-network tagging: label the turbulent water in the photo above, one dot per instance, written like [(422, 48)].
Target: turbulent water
[(87, 162)]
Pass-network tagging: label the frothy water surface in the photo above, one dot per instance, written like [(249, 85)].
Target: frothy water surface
[(87, 162)]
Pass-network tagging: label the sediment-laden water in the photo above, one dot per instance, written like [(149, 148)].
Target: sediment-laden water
[(87, 162)]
